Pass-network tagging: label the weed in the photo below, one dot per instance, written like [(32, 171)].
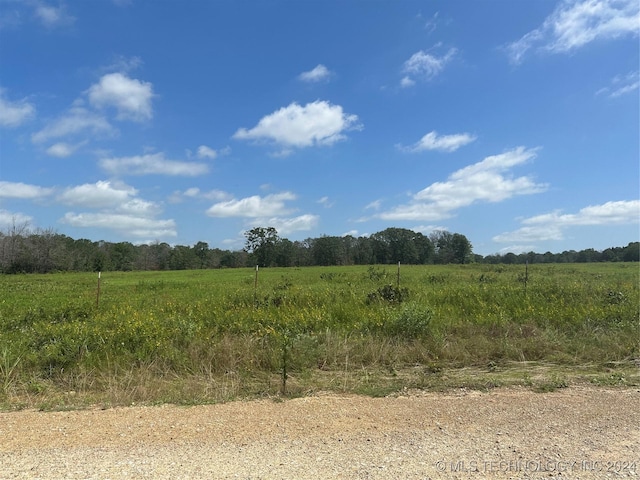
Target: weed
[(388, 293), (8, 368), (551, 385), (376, 274), (411, 320)]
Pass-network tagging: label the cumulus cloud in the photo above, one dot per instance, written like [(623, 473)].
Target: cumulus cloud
[(119, 208), (442, 143), (102, 194), (286, 226), (62, 149), (425, 65), (317, 123), (130, 97), (131, 225), (152, 164), (22, 190), (268, 210), (77, 120), (574, 24), (206, 152), (485, 181), (317, 74), (551, 226), (14, 113), (254, 206)]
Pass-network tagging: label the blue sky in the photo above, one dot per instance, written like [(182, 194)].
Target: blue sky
[(513, 123)]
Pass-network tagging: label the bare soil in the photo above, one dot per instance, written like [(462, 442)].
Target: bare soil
[(572, 433)]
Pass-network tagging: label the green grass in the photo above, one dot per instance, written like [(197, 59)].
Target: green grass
[(210, 335)]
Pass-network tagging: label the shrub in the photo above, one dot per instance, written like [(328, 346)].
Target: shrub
[(388, 293), (412, 320)]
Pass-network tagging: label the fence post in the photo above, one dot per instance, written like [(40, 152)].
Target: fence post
[(255, 289), (98, 292)]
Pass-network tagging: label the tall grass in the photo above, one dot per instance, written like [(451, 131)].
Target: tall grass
[(197, 336)]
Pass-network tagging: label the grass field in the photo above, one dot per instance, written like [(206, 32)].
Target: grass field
[(214, 335)]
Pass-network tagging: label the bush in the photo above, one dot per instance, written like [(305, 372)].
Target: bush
[(412, 320), (388, 293)]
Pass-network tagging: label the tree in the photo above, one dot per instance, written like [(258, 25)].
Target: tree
[(631, 253), (451, 247), (13, 246), (328, 251), (201, 250), (285, 253), (363, 251), (123, 256), (262, 245), (395, 245)]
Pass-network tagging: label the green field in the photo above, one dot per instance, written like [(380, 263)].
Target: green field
[(215, 335)]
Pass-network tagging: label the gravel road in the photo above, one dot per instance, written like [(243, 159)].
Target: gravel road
[(573, 433)]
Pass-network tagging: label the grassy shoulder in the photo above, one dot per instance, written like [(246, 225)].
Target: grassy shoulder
[(148, 386)]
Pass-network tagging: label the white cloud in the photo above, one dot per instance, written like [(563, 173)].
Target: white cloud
[(574, 24), (195, 192), (255, 206), (427, 229), (120, 209), (14, 113), (9, 219), (52, 17), (131, 225), (206, 152), (286, 226), (550, 226), (621, 85), (424, 65), (102, 194), (407, 82), (269, 210), (432, 23), (120, 63), (610, 213), (62, 149), (485, 181), (22, 190), (531, 234), (317, 123), (375, 205), (131, 97), (152, 164), (516, 249), (78, 119), (443, 143), (318, 74), (325, 202)]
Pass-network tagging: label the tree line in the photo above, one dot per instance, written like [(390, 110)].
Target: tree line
[(43, 251)]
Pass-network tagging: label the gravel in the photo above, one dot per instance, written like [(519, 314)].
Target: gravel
[(514, 433)]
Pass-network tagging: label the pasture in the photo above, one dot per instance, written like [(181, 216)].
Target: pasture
[(203, 336)]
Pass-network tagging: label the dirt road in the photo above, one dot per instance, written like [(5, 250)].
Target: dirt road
[(573, 433)]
